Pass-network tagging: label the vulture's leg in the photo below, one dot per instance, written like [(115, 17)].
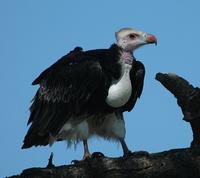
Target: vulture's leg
[(126, 151), (86, 150)]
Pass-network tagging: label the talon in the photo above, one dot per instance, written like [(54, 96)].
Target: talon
[(97, 155)]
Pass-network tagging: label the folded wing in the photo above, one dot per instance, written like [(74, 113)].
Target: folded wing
[(71, 86)]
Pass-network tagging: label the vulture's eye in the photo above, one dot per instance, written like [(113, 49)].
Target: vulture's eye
[(132, 36)]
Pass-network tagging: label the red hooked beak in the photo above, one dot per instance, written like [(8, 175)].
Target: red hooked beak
[(151, 39)]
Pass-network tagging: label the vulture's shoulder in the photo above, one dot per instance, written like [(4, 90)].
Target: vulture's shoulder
[(78, 61), (59, 66)]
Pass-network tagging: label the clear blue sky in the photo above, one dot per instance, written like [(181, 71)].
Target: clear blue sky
[(34, 34)]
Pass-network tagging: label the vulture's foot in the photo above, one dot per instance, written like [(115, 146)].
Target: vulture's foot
[(97, 155)]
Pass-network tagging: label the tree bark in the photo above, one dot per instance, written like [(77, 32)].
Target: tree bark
[(179, 163), (188, 98)]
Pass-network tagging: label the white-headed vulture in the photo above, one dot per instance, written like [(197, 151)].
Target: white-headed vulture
[(85, 93)]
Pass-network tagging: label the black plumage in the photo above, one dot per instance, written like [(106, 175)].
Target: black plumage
[(77, 84)]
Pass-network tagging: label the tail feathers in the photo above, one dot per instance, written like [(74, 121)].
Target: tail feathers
[(34, 138), (46, 119)]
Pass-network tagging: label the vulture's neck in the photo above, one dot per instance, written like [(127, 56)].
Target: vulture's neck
[(120, 90), (127, 57)]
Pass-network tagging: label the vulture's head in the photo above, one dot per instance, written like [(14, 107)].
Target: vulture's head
[(130, 39)]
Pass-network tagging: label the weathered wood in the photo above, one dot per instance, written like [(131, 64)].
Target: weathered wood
[(180, 163), (188, 98)]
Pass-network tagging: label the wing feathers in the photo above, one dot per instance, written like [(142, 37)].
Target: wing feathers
[(137, 81), (71, 86)]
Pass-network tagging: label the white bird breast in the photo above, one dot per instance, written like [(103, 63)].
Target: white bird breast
[(120, 90)]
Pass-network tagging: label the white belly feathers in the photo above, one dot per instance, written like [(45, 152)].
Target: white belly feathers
[(118, 95), (120, 90)]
